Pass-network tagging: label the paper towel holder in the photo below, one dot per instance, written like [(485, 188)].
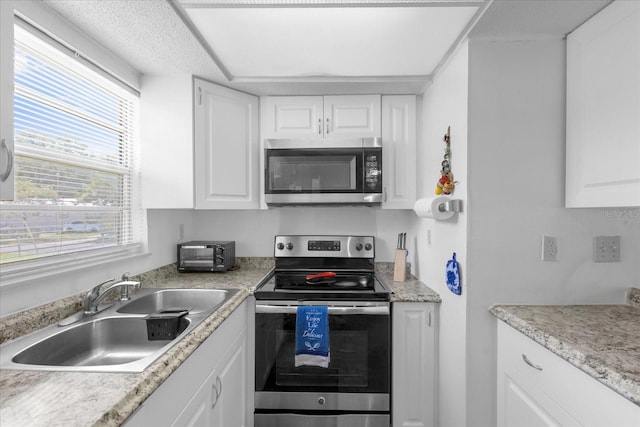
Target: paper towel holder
[(439, 208), (453, 205)]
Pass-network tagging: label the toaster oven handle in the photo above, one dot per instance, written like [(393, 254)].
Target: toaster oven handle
[(332, 310)]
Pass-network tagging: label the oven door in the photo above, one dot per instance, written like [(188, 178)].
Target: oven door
[(358, 376)]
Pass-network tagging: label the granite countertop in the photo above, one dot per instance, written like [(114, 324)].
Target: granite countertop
[(601, 340), (38, 398)]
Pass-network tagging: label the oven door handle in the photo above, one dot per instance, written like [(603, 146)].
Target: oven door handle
[(332, 310)]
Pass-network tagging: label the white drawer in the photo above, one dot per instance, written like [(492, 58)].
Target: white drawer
[(588, 401)]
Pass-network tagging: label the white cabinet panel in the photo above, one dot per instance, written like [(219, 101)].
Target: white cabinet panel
[(414, 352), (546, 390), (355, 116), (291, 117), (399, 151), (603, 109), (226, 148), (6, 101), (321, 118), (166, 110)]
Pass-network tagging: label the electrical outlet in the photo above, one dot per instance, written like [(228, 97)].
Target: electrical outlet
[(606, 249), (549, 248)]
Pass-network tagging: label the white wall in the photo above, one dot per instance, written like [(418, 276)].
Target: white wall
[(445, 104), (516, 157), (254, 231)]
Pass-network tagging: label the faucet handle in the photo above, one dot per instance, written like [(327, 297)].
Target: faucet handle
[(93, 294), (96, 288), (125, 276)]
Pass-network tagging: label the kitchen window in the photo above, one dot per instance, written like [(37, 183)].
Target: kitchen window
[(76, 171)]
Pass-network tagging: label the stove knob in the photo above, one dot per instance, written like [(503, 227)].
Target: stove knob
[(368, 247), (358, 246), (280, 246), (289, 245)]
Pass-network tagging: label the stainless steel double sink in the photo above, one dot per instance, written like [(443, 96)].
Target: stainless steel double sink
[(114, 339)]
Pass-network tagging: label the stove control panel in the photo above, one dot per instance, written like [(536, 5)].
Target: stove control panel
[(324, 246)]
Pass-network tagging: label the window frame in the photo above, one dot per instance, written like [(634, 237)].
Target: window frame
[(65, 36)]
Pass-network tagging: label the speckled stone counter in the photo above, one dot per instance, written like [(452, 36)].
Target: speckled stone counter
[(601, 340), (36, 398), (411, 290), (51, 399)]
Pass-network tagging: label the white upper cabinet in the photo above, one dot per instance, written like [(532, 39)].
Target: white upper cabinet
[(399, 151), (292, 117), (603, 109), (321, 117), (355, 116), (166, 109), (226, 148), (6, 101)]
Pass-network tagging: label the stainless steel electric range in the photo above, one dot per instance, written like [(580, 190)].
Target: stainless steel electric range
[(354, 390)]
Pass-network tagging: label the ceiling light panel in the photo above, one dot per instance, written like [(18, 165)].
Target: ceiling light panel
[(349, 42)]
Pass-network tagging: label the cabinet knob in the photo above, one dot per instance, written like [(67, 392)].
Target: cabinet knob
[(321, 400)]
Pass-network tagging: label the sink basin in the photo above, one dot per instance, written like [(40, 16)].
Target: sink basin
[(105, 341), (115, 339), (196, 300)]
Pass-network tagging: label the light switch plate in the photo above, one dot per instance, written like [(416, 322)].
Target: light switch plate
[(606, 249)]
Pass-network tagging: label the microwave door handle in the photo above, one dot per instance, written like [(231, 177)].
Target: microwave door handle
[(332, 310)]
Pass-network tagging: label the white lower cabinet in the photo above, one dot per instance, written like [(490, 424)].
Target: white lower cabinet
[(538, 388), (211, 387), (414, 350)]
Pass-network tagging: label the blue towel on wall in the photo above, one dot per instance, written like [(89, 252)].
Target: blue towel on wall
[(312, 336)]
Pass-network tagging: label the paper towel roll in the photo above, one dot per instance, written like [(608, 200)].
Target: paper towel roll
[(432, 207)]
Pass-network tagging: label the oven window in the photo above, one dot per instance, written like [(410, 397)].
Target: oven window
[(359, 351), (314, 171)]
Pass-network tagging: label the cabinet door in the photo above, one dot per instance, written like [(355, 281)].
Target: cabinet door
[(603, 109), (538, 388), (199, 411), (6, 101), (399, 151), (226, 148), (525, 405), (166, 110), (293, 117), (414, 364), (230, 409), (352, 116)]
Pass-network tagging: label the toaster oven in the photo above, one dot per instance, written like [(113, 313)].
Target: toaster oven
[(206, 256)]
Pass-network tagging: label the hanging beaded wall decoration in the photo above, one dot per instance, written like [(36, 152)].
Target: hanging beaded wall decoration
[(446, 184)]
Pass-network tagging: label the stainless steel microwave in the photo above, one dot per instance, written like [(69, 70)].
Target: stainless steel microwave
[(346, 172)]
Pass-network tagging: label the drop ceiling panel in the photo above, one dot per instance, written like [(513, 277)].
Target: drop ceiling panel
[(350, 42)]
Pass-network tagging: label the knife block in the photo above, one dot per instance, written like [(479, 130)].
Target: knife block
[(400, 266)]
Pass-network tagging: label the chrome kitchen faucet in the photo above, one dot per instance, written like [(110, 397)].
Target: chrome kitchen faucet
[(94, 297)]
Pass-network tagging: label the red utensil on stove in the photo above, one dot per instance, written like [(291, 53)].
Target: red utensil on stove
[(323, 275)]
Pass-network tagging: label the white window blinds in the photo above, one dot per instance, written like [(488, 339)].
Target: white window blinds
[(76, 169)]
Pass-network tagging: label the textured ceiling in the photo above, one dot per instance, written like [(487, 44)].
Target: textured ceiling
[(150, 36), (145, 33)]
